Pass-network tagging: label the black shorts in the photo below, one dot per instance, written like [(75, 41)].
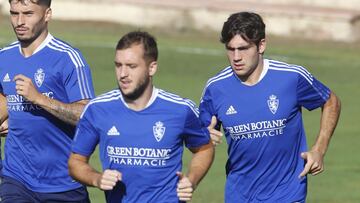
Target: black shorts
[(12, 191)]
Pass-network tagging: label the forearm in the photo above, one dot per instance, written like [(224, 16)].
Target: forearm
[(3, 116), (3, 108), (329, 118), (200, 164), (69, 113), (81, 171)]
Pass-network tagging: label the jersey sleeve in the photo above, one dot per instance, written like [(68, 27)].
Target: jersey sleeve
[(311, 93), (77, 78), (86, 136), (206, 108), (195, 135)]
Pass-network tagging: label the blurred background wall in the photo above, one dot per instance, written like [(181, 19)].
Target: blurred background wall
[(337, 20)]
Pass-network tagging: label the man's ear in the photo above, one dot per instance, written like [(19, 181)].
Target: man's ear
[(262, 46), (153, 68), (48, 14)]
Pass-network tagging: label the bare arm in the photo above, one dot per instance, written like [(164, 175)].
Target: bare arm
[(3, 108), (329, 118), (69, 113), (3, 116), (80, 170), (199, 165)]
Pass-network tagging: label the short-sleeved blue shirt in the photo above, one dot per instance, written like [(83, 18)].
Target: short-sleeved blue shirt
[(38, 144), (145, 146), (264, 130)]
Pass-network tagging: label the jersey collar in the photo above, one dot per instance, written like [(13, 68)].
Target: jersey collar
[(264, 70), (154, 94), (47, 40)]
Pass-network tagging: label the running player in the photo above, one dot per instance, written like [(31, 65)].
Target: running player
[(258, 103)]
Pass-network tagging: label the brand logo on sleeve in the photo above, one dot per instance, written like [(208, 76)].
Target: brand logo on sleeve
[(39, 77), (159, 130), (273, 103)]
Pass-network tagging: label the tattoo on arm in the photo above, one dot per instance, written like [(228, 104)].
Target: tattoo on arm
[(69, 113)]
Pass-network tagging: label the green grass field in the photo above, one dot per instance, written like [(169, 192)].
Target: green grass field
[(188, 58)]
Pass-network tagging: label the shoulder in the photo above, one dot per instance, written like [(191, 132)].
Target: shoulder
[(220, 76), (102, 100), (8, 48), (290, 69), (216, 82), (66, 50), (176, 100)]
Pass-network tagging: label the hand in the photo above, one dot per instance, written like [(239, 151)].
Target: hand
[(108, 179), (184, 187), (314, 163), (214, 134), (25, 87), (4, 128)]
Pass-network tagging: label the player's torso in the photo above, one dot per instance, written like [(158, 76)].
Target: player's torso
[(43, 68), (252, 115), (152, 135), (264, 134), (36, 139), (146, 146)]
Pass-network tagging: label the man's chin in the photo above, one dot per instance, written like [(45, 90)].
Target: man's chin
[(24, 39), (127, 94)]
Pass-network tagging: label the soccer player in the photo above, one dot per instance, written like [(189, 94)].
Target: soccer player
[(140, 130), (47, 83), (258, 103)]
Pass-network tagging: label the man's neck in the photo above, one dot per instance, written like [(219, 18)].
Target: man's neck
[(28, 49), (254, 77), (142, 102)]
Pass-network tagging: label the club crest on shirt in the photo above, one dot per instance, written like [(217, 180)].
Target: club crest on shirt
[(159, 130), (39, 77), (273, 103)]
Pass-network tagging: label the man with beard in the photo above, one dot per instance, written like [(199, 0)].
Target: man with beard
[(46, 83), (140, 130)]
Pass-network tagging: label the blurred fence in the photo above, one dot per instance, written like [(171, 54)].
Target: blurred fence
[(316, 19)]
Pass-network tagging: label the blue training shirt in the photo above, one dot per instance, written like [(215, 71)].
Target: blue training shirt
[(145, 146), (264, 130), (38, 144)]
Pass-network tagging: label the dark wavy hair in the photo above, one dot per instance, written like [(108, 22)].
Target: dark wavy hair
[(248, 25)]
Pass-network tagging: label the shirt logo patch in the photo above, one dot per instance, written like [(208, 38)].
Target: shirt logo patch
[(6, 78), (159, 130), (273, 103), (231, 110), (113, 131), (39, 77)]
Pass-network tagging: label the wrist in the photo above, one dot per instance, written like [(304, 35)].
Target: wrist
[(37, 99), (319, 150), (96, 181), (193, 182)]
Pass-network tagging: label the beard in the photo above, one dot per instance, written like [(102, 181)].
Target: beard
[(25, 41), (138, 91)]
